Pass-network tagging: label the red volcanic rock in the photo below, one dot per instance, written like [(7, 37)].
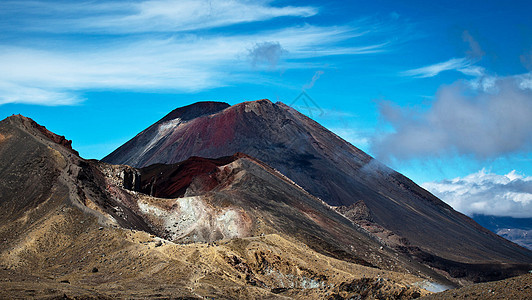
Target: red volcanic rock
[(172, 181), (58, 139)]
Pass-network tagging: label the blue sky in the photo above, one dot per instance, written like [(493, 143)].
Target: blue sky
[(435, 89)]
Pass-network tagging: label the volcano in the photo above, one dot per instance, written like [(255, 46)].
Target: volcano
[(253, 223), (229, 228), (392, 208)]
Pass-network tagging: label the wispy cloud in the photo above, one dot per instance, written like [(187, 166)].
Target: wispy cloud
[(487, 193), (463, 65), (181, 63), (119, 17), (56, 57), (13, 93)]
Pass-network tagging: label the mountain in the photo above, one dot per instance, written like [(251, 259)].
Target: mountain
[(385, 204), (517, 230), (228, 228), (225, 227)]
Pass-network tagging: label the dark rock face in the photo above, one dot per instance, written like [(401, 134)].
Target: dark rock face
[(195, 110), (326, 166), (131, 179)]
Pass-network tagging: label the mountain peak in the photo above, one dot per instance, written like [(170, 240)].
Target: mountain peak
[(30, 125), (254, 103), (195, 110), (17, 119), (259, 107)]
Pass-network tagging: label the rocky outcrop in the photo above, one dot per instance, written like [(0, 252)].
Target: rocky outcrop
[(58, 139), (131, 179), (355, 212)]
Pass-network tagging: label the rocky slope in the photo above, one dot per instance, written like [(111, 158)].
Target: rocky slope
[(516, 288), (393, 209), (73, 228)]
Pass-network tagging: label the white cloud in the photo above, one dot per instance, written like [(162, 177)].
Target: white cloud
[(63, 48), (473, 71), (463, 119), (182, 63), (119, 17), (487, 83), (525, 81), (463, 65), (487, 193), (12, 93), (485, 116)]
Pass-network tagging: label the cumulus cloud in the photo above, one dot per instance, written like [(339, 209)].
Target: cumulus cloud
[(525, 81), (487, 193), (462, 119), (266, 53)]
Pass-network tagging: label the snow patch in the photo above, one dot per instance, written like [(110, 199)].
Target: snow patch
[(163, 130)]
